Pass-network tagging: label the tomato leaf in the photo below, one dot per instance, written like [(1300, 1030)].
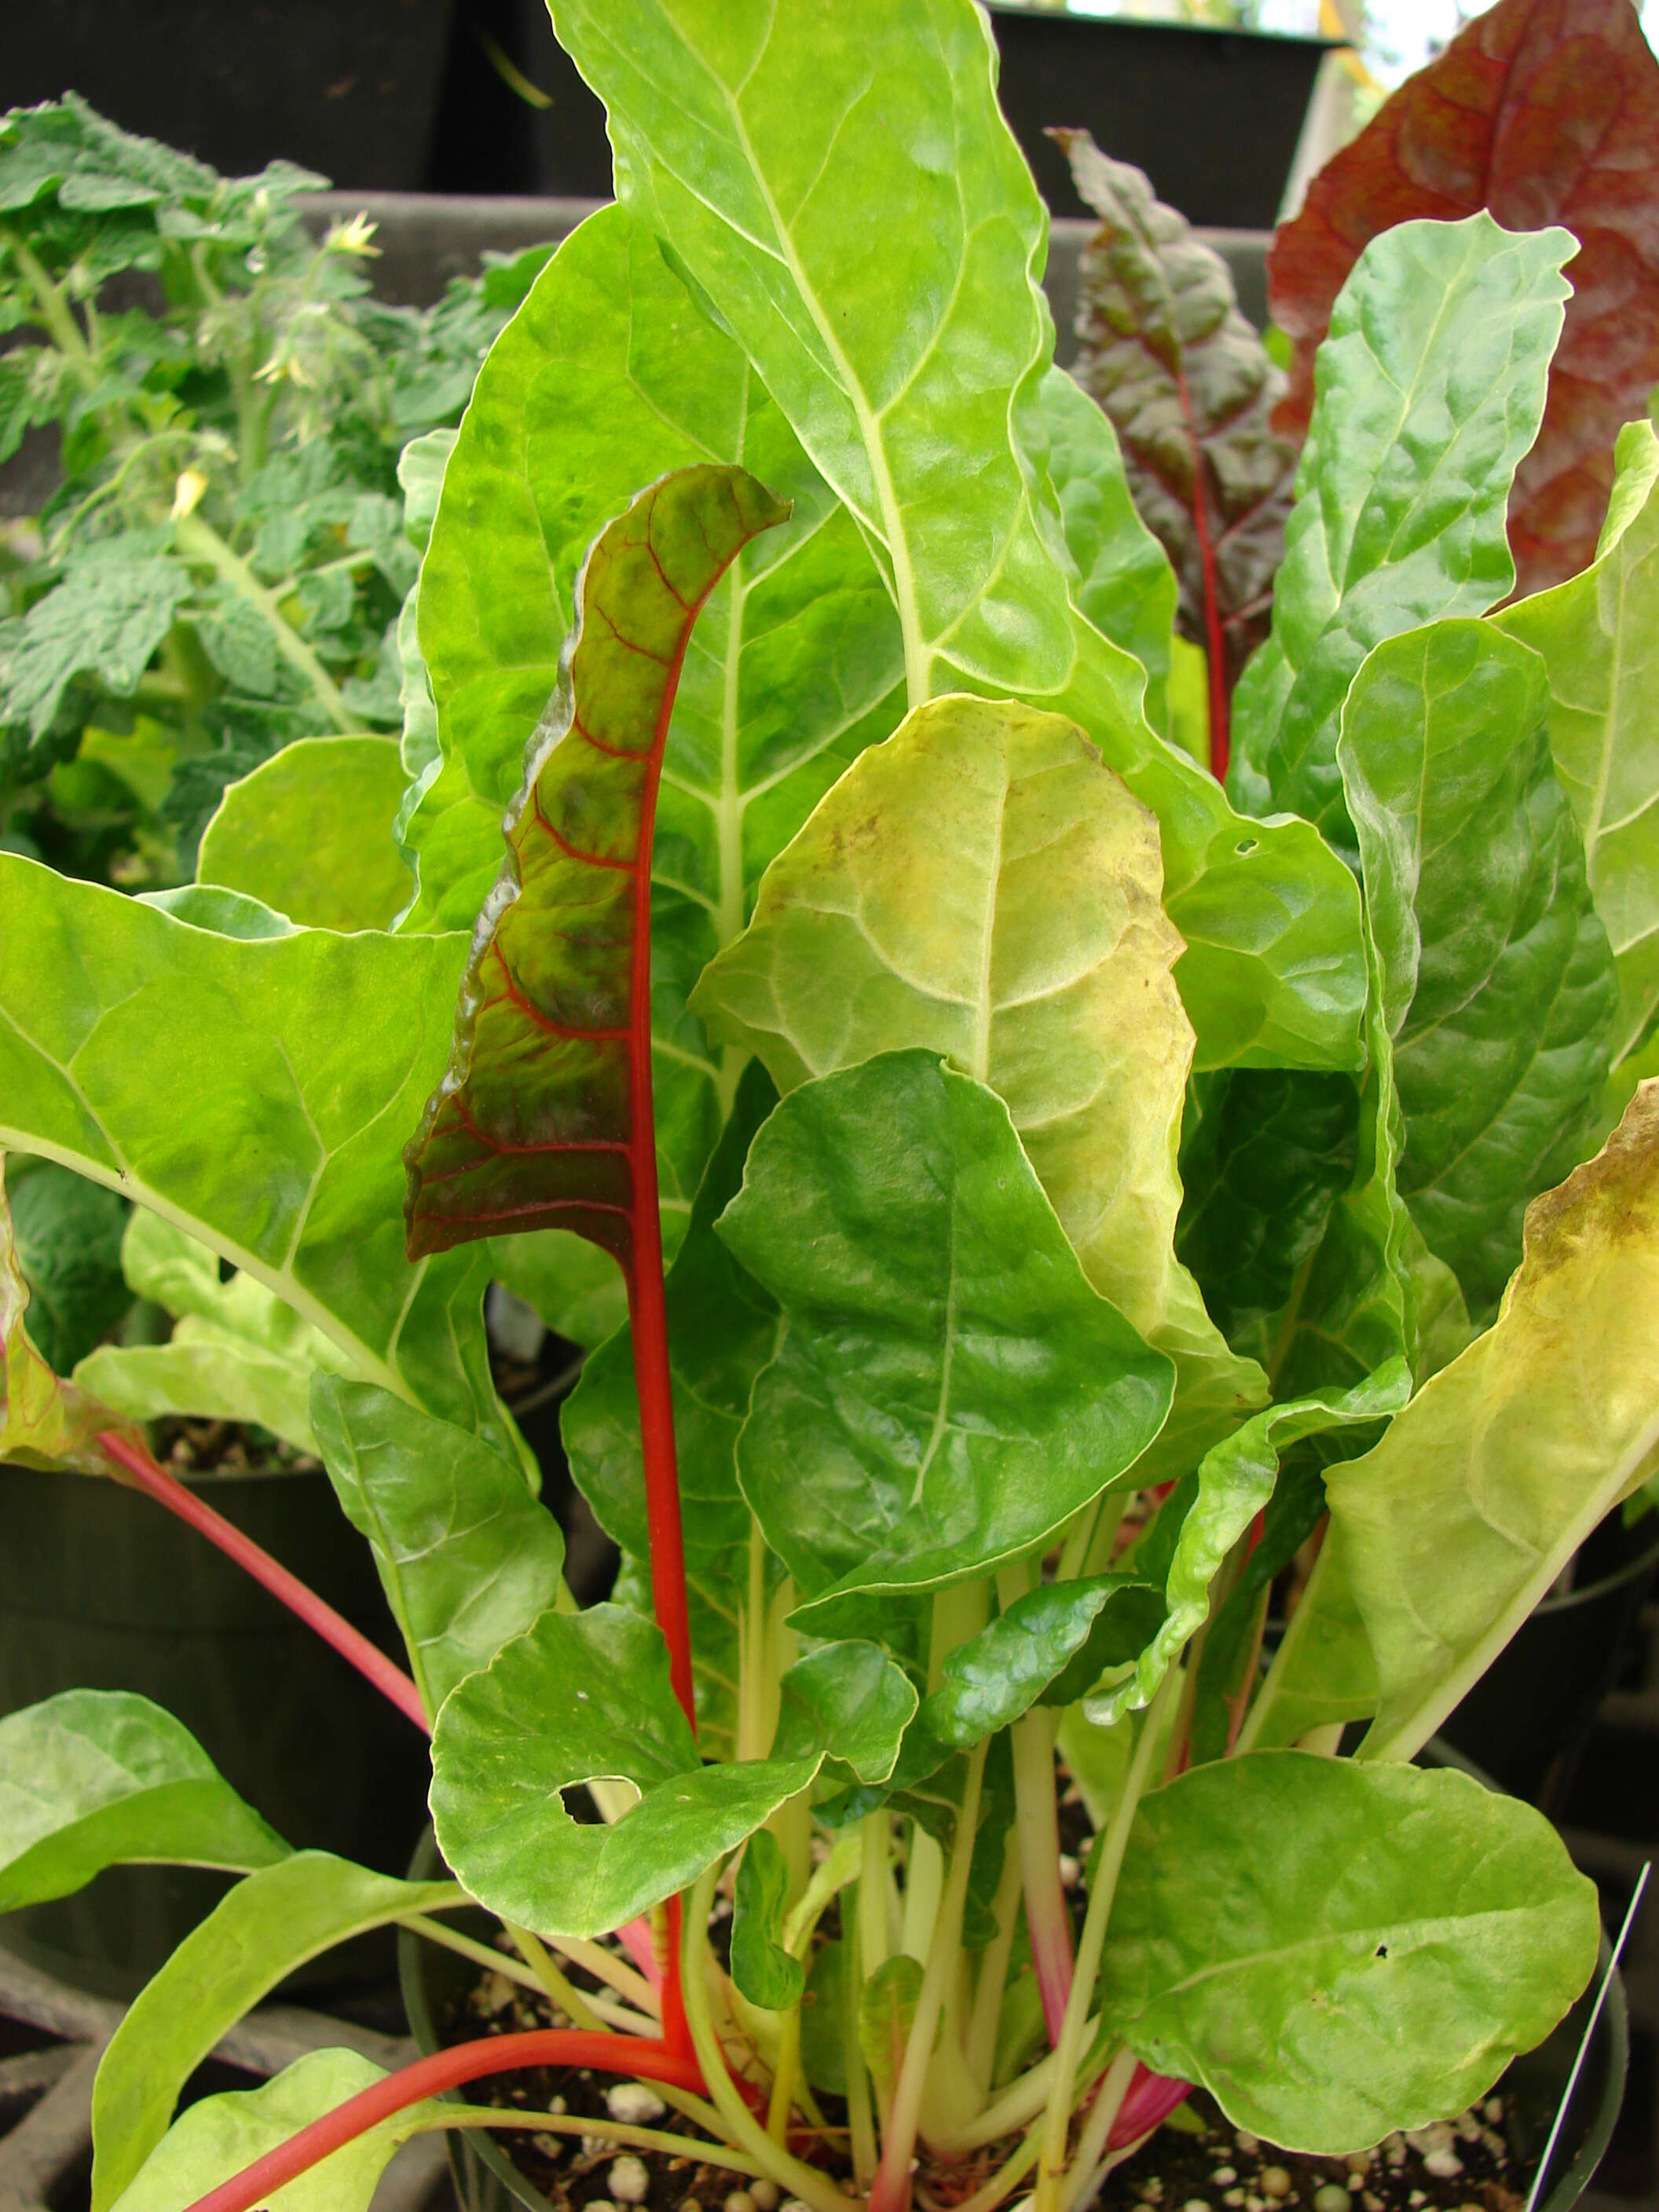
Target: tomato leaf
[(1542, 111)]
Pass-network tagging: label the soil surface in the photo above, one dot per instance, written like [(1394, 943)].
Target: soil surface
[(1197, 2163)]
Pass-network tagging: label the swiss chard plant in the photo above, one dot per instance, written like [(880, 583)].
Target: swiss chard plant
[(1015, 1198)]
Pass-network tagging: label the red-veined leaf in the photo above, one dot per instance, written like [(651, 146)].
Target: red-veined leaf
[(1189, 385), (1543, 111)]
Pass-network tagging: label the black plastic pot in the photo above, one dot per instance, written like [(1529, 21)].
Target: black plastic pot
[(101, 1588), (486, 2179), (1212, 116), (351, 91), (1526, 1721)]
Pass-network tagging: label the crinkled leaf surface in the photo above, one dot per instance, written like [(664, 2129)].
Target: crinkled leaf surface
[(586, 1695), (771, 150), (68, 1234), (1235, 1482), (1450, 1531), (1498, 982), (274, 1139), (982, 885), (1599, 636), (104, 621), (309, 833), (1431, 389), (93, 1778), (214, 2140), (762, 1967), (43, 1422), (1336, 1950), (1189, 388), (1124, 582), (271, 1923), (1543, 111), (540, 1121), (954, 1385), (466, 1556)]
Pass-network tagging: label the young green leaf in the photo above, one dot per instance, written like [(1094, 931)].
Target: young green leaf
[(1597, 635), (1497, 983), (216, 2138), (758, 154), (586, 1695), (270, 1923), (945, 1370), (1189, 386), (93, 1779), (313, 1050), (309, 833), (1543, 111), (1432, 387), (762, 1967), (466, 1556), (43, 1422), (545, 1118), (1333, 1950), (887, 2006), (1450, 1531), (68, 1233), (984, 886), (1124, 582)]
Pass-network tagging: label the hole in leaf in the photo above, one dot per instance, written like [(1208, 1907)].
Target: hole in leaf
[(1246, 845)]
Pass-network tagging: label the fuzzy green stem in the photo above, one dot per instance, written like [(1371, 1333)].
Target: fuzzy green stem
[(800, 2180), (1069, 2051), (197, 540), (892, 2185), (56, 320)]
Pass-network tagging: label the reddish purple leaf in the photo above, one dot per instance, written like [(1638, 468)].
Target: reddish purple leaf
[(1188, 386), (1543, 111)]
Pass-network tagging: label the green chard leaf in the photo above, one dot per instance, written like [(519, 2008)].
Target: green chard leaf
[(467, 1558), (1431, 389), (1124, 583), (1451, 1530), (1497, 983), (945, 1370), (272, 1137), (982, 885), (94, 1778), (68, 1233), (762, 1967), (213, 2140), (753, 147), (1599, 636), (270, 1923), (1336, 1950), (611, 376), (532, 1125), (43, 1422), (584, 1695), (309, 834)]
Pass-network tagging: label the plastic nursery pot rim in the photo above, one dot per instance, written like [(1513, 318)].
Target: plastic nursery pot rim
[(476, 2157)]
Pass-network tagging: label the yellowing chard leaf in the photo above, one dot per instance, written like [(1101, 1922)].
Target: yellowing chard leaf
[(1599, 636), (1431, 389), (804, 205), (1497, 984), (983, 886), (1333, 1950), (1450, 1531), (945, 1370)]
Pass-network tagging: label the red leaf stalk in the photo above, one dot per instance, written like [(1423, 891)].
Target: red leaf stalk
[(353, 1647), (1215, 648), (429, 2078), (1148, 2103)]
